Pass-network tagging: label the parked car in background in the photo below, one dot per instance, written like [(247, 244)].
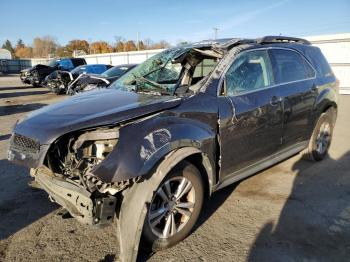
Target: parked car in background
[(149, 149), (59, 80), (36, 74), (91, 81)]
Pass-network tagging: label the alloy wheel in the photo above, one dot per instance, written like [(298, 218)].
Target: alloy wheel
[(171, 207)]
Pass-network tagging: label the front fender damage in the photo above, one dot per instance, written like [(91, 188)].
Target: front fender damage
[(134, 206), (97, 174), (152, 139)]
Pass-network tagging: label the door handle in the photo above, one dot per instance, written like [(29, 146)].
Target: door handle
[(276, 100)]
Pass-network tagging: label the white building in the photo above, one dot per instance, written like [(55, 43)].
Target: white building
[(5, 54)]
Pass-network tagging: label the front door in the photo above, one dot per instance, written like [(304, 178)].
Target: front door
[(250, 113)]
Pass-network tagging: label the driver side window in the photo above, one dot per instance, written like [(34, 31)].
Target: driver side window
[(250, 71)]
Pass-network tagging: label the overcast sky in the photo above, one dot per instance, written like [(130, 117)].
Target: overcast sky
[(171, 20)]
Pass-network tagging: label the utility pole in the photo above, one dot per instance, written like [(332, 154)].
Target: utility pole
[(215, 32), (138, 42), (89, 41)]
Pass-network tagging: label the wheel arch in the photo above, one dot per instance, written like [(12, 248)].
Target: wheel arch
[(195, 157)]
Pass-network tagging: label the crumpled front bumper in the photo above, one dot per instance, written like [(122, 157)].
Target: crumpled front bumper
[(76, 199)]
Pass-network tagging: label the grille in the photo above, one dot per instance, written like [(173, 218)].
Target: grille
[(25, 143)]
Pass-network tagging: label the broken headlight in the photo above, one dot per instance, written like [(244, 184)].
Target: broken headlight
[(74, 157)]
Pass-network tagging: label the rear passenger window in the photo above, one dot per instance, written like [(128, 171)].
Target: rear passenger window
[(289, 66), (250, 71), (318, 60)]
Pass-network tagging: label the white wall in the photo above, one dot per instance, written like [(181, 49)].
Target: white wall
[(134, 57)]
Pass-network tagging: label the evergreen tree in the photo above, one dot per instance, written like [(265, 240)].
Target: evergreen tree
[(8, 46), (20, 44)]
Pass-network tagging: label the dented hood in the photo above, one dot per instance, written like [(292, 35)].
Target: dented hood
[(40, 66), (90, 109)]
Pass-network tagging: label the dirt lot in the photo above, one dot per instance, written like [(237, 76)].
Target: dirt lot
[(294, 211)]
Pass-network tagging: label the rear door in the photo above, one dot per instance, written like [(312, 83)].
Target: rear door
[(250, 112), (296, 80)]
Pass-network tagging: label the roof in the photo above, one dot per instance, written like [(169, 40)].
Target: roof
[(228, 43)]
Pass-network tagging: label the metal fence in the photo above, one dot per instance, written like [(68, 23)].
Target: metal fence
[(134, 57), (13, 66)]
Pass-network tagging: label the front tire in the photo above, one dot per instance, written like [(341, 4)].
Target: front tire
[(321, 137), (174, 209)]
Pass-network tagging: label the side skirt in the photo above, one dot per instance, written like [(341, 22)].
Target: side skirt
[(261, 165)]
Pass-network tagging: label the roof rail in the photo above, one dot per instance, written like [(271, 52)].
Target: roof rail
[(282, 39)]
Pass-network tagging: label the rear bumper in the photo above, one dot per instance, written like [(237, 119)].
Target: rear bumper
[(77, 200)]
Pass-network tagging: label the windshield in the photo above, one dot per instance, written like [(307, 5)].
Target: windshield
[(157, 74), (53, 63), (78, 69), (115, 71)]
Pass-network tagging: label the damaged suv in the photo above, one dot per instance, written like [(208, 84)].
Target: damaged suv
[(148, 150), (36, 74)]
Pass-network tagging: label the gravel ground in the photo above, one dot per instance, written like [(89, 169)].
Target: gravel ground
[(294, 211)]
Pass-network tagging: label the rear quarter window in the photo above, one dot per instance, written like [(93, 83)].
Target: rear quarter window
[(318, 60)]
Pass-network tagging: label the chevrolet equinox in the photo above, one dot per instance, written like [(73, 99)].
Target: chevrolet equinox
[(148, 150)]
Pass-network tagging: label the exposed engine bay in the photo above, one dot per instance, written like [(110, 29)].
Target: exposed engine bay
[(75, 156), (58, 81)]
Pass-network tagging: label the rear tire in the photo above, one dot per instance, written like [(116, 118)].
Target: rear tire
[(321, 137), (178, 213)]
